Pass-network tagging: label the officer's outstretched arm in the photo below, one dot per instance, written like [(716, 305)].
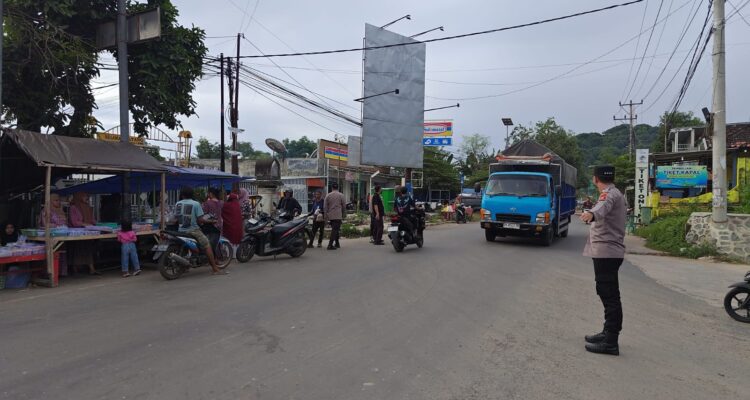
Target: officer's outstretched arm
[(603, 207)]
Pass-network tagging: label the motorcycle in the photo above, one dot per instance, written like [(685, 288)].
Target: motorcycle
[(460, 213), (737, 301), (269, 237), (178, 252), (401, 237)]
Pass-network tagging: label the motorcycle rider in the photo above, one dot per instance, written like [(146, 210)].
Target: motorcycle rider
[(289, 204), (405, 206), (189, 214)]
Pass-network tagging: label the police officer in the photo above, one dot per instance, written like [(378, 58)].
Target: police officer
[(607, 248)]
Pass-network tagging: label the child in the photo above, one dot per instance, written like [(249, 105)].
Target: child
[(127, 237)]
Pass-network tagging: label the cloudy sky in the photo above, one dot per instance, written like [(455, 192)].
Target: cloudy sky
[(575, 70)]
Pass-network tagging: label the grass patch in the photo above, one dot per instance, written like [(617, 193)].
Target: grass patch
[(351, 231), (667, 234)]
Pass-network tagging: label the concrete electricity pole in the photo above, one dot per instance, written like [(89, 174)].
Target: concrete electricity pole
[(719, 119), (122, 64), (632, 117)]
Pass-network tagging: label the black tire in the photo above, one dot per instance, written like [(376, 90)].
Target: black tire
[(490, 235), (549, 236), (223, 254), (245, 252), (420, 240), (169, 269), (565, 232), (732, 302), (298, 247), (397, 245)]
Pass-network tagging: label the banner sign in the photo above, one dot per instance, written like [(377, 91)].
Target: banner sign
[(438, 128), (641, 180), (336, 154), (302, 167), (437, 141), (682, 177), (113, 137)]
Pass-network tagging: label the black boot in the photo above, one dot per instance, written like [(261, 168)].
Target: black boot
[(607, 346), (596, 338)]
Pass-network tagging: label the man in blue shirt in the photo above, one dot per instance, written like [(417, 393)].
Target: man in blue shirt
[(189, 214)]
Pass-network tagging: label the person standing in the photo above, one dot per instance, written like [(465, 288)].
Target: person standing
[(606, 246), (213, 206), (245, 206), (334, 208), (231, 216), (127, 239), (319, 221), (81, 215), (378, 212)]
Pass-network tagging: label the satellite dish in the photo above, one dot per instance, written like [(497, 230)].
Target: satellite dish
[(276, 146)]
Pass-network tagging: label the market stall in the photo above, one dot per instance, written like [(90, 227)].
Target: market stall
[(29, 158)]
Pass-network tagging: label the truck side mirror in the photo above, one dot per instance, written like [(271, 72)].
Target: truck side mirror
[(477, 188), (558, 190)]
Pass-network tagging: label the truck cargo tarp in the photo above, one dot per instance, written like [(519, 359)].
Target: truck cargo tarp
[(23, 155), (176, 178), (530, 148)]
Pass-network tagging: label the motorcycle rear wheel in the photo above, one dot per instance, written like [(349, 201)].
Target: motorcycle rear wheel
[(171, 270), (299, 246), (245, 252), (733, 304), (397, 245)]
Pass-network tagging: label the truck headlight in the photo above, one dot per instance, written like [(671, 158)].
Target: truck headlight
[(542, 218), (485, 214)]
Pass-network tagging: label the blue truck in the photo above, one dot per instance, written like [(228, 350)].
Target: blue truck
[(531, 192)]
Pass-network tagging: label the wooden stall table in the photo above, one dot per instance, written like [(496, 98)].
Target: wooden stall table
[(55, 267), (56, 242)]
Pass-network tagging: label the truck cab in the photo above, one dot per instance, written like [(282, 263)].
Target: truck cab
[(519, 204)]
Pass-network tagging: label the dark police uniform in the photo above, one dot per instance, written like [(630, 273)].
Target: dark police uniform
[(606, 247)]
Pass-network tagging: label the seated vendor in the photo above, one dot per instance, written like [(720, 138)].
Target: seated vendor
[(57, 216), (81, 215), (9, 234)]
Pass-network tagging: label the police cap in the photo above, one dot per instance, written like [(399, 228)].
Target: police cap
[(604, 171)]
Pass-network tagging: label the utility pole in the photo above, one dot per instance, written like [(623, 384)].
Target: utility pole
[(2, 20), (222, 165), (235, 120), (719, 118), (632, 117), (230, 82), (122, 66)]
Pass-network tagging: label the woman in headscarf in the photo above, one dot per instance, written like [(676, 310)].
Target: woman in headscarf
[(9, 234), (231, 215), (245, 206), (57, 214), (82, 214)]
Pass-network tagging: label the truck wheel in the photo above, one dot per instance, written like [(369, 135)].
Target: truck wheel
[(549, 236), (564, 233), (489, 235)]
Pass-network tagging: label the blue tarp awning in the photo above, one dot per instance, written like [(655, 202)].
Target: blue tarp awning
[(176, 178)]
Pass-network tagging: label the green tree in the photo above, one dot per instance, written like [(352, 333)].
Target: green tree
[(51, 59), (438, 170), (669, 121), (299, 148)]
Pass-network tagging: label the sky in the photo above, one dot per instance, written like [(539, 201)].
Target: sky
[(576, 70)]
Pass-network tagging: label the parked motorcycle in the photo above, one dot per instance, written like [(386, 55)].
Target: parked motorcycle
[(178, 252), (460, 213), (269, 237), (737, 301), (401, 236)]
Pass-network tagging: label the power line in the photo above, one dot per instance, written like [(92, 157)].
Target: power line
[(648, 43), (658, 43), (635, 53), (507, 28)]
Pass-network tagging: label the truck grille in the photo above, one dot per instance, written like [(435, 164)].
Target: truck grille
[(513, 218)]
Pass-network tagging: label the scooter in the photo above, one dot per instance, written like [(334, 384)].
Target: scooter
[(460, 213), (178, 252), (266, 238), (737, 301), (401, 237)]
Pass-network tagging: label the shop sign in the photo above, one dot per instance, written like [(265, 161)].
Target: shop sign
[(113, 137), (336, 153), (682, 177), (641, 180), (302, 167)]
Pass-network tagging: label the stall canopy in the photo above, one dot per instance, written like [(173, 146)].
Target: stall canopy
[(176, 178), (24, 154)]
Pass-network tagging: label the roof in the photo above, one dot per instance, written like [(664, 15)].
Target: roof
[(176, 178), (81, 153), (24, 154), (738, 133)]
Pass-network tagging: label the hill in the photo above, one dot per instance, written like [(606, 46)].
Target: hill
[(604, 147)]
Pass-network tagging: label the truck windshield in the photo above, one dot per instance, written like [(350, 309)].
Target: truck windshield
[(517, 185)]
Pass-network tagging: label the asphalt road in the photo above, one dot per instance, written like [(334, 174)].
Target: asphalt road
[(459, 319)]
